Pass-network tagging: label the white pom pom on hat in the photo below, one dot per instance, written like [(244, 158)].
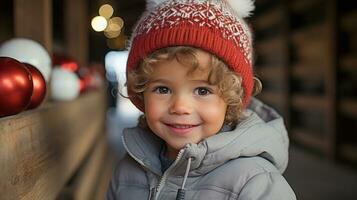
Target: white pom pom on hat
[(243, 8)]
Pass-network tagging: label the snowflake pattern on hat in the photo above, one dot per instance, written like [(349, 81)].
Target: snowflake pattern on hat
[(199, 13)]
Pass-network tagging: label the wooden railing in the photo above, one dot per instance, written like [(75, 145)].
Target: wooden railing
[(42, 149)]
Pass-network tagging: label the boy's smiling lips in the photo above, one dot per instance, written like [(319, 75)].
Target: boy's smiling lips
[(181, 128)]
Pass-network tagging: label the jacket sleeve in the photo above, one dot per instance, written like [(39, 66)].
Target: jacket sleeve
[(267, 186)]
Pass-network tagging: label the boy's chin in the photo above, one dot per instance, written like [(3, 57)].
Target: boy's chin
[(176, 147), (179, 146)]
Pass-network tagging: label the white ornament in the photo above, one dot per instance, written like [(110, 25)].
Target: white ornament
[(28, 51), (65, 85)]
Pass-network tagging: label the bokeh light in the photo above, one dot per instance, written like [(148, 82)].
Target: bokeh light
[(99, 23), (114, 27), (106, 11), (117, 20)]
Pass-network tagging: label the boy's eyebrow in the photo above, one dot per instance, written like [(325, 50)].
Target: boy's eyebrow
[(159, 81), (168, 81), (199, 80)]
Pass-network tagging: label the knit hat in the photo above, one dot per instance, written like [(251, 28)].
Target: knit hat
[(216, 26)]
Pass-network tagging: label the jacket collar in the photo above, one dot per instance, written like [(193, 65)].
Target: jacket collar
[(263, 135), (144, 146)]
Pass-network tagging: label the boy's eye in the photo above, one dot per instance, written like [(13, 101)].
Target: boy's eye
[(202, 91), (161, 90)]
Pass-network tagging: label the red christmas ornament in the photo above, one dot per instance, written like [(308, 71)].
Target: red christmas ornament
[(15, 86), (65, 62), (89, 79), (84, 83), (84, 79), (39, 87)]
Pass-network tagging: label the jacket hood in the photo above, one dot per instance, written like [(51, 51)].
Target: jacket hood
[(262, 133)]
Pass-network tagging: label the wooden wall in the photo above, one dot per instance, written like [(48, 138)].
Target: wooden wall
[(59, 150), (43, 148), (306, 58)]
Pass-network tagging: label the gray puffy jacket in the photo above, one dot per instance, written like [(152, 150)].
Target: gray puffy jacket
[(243, 164)]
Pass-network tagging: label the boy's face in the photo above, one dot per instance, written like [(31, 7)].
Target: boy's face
[(182, 108)]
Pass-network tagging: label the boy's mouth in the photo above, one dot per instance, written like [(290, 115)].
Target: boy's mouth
[(181, 128)]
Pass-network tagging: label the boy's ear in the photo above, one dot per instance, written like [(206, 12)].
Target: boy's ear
[(258, 86)]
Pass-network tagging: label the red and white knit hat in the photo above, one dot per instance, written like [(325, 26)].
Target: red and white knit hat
[(216, 26)]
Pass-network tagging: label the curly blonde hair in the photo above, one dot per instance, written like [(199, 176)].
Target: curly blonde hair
[(228, 82)]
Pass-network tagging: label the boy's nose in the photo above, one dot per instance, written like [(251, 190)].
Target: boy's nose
[(180, 106)]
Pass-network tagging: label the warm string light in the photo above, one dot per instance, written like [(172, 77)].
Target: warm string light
[(99, 23), (114, 27), (106, 11), (105, 22)]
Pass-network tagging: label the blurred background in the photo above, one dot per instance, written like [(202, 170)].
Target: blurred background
[(305, 56)]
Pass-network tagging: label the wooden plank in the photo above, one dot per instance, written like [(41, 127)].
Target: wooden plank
[(76, 30), (349, 152), (87, 182), (285, 62), (312, 46), (271, 47), (273, 73), (309, 102), (33, 19), (309, 139), (40, 149), (349, 63), (348, 22), (331, 78), (105, 178), (315, 45), (89, 176), (310, 33), (348, 106), (272, 97), (269, 18), (300, 5), (308, 71), (275, 99)]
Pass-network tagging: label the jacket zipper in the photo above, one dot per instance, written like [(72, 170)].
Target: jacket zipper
[(163, 178), (159, 187), (152, 193)]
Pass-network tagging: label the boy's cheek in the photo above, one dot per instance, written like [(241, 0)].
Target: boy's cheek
[(213, 109), (152, 108)]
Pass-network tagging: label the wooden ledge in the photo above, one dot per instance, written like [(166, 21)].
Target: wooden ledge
[(40, 149)]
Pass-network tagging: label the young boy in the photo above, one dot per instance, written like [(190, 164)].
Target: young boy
[(202, 136)]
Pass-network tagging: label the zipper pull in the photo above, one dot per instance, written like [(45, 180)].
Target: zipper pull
[(181, 191), (180, 194), (152, 193)]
